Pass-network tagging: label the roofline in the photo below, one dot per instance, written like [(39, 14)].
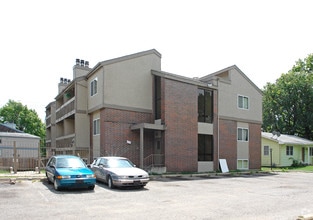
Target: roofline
[(123, 58), (24, 135), (180, 78), (215, 74), (13, 129), (290, 142)]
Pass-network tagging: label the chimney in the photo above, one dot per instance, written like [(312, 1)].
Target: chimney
[(63, 83), (81, 68)]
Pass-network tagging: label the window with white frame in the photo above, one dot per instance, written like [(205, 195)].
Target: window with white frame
[(289, 150), (242, 164), (311, 151), (96, 126), (94, 87), (266, 150), (243, 134), (243, 102)]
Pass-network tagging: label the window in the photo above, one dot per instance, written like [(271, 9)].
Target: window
[(157, 97), (93, 87), (266, 150), (205, 147), (242, 134), (242, 164), (205, 106), (289, 150), (96, 126), (243, 102), (311, 151)]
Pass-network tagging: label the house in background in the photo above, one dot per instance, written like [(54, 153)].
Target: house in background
[(129, 107), (282, 149), (18, 149)]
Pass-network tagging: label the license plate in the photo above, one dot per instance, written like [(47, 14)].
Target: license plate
[(79, 181)]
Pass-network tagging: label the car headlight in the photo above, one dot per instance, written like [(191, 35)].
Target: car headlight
[(63, 177), (122, 177), (91, 176)]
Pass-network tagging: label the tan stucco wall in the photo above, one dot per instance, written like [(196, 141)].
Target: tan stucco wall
[(243, 146), (81, 95), (82, 137), (228, 95), (125, 84), (96, 100), (96, 138)]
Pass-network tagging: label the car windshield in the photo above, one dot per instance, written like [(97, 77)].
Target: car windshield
[(69, 163), (119, 163)]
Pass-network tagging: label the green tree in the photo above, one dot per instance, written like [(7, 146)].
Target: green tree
[(288, 103), (26, 120)]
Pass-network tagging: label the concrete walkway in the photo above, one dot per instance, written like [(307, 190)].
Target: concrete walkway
[(25, 175)]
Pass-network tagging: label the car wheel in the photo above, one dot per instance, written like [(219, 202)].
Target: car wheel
[(56, 187), (92, 187), (110, 182)]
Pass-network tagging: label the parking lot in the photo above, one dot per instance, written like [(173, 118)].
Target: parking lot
[(270, 196)]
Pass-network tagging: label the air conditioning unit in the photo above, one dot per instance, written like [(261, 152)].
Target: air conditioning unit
[(157, 134)]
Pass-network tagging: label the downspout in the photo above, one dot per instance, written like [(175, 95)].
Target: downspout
[(141, 147), (218, 124)]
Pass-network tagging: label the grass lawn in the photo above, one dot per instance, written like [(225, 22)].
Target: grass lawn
[(303, 169)]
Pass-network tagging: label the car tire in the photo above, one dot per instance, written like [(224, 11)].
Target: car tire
[(110, 183), (91, 187), (55, 185)]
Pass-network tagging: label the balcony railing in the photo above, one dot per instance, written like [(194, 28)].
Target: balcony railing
[(66, 109)]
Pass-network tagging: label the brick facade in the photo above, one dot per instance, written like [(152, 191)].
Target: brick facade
[(181, 118), (115, 131), (228, 142)]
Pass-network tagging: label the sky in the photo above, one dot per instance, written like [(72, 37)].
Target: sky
[(41, 39)]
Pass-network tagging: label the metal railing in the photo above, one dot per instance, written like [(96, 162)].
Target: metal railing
[(154, 160)]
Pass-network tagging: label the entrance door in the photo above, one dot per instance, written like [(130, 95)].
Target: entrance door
[(157, 154)]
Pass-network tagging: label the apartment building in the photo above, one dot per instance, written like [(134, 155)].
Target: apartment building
[(129, 107)]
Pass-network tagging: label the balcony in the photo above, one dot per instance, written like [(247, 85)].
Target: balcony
[(66, 110), (48, 121)]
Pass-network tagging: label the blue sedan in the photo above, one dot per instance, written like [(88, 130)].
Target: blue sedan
[(66, 171)]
